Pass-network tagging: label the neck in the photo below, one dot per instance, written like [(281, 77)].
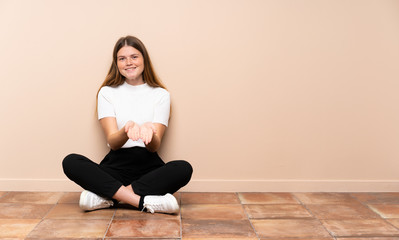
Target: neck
[(135, 82)]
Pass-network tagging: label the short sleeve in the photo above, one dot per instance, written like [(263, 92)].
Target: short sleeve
[(162, 109), (105, 107)]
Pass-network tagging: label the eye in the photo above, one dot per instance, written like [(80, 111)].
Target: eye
[(121, 59)]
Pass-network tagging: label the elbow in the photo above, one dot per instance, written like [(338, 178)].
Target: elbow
[(151, 149), (114, 146), (154, 145)]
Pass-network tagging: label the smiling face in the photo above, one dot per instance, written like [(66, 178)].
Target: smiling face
[(130, 63)]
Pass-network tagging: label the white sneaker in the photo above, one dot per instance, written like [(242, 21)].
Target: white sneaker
[(161, 204), (90, 201)]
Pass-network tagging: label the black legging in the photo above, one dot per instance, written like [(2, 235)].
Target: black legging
[(144, 170)]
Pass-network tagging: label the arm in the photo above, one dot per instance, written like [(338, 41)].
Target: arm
[(153, 132), (115, 138), (159, 122)]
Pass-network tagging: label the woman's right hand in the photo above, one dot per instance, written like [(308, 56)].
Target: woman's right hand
[(132, 130)]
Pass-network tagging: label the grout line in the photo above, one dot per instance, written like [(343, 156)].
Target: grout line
[(50, 210), (312, 215), (43, 218), (379, 215), (238, 196), (384, 219), (181, 218), (249, 220), (5, 194), (109, 224), (296, 198)]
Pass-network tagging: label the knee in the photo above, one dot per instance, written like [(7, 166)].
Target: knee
[(69, 162), (185, 169)]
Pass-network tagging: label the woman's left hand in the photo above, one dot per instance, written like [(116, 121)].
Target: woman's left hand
[(147, 131)]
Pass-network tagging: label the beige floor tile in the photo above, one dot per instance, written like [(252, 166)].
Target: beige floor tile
[(24, 210), (213, 211), (360, 228), (208, 229), (32, 197), (70, 228), (73, 211), (276, 211), (289, 228), (16, 228), (70, 197), (341, 211), (209, 198), (377, 198), (130, 213), (325, 198), (267, 198), (386, 210), (144, 228)]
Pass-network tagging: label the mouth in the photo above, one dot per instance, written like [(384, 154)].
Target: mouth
[(130, 69)]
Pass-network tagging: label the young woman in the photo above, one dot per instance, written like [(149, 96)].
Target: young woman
[(133, 110)]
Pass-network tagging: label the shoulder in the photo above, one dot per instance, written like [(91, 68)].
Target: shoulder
[(105, 90), (161, 92), (156, 92), (108, 91), (161, 95)]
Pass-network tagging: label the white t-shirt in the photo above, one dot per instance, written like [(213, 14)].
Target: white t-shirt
[(140, 104)]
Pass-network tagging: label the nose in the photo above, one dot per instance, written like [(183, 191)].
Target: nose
[(129, 61)]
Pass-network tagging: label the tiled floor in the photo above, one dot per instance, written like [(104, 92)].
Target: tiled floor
[(296, 216)]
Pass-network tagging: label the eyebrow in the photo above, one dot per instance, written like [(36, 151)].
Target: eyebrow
[(135, 54)]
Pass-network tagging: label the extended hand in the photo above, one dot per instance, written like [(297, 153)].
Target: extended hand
[(147, 131), (133, 130)]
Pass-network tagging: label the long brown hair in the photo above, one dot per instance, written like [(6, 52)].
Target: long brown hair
[(114, 78)]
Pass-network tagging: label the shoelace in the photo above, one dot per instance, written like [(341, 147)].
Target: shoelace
[(151, 207), (102, 201)]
